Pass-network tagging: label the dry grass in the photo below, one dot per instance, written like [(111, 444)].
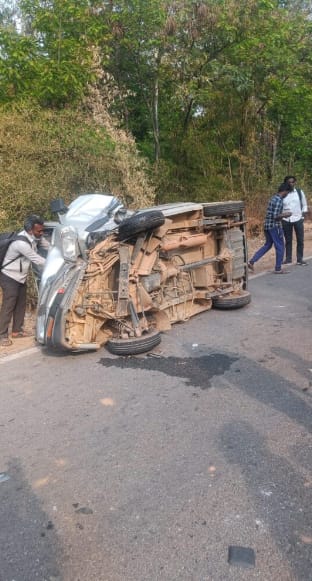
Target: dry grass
[(49, 154)]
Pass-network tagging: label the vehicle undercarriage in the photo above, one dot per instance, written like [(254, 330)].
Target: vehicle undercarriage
[(163, 266)]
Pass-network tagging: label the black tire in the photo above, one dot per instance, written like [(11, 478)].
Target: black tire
[(137, 223), (223, 208), (232, 301), (135, 345)]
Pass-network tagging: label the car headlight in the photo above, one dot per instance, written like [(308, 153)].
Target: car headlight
[(69, 244)]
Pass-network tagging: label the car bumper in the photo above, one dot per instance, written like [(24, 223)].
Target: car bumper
[(56, 299)]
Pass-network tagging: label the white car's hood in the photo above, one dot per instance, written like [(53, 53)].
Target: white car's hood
[(88, 208), (87, 213)]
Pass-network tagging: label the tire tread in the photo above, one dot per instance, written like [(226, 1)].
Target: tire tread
[(229, 302), (134, 346)]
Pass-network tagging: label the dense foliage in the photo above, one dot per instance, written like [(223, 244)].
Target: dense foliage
[(47, 154), (217, 93)]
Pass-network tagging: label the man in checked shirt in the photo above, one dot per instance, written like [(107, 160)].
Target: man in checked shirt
[(273, 230)]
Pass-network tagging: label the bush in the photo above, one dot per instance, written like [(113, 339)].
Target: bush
[(46, 154)]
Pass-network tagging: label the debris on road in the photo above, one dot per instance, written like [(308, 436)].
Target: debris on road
[(241, 556)]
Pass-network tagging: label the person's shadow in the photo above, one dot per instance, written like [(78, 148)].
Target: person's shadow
[(287, 510), (29, 545)]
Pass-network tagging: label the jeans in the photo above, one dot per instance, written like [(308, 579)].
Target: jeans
[(288, 228), (275, 237)]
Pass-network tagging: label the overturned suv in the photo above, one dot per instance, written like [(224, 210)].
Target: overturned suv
[(119, 278)]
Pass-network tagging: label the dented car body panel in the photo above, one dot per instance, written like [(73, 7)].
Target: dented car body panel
[(157, 267)]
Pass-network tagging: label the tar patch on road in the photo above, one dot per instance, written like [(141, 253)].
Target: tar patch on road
[(198, 371)]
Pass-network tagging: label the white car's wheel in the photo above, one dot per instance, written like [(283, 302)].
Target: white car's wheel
[(144, 221), (232, 301), (135, 345), (223, 208)]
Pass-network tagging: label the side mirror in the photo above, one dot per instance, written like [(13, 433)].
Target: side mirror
[(120, 215), (58, 206)]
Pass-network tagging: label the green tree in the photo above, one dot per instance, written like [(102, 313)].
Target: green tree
[(216, 92), (50, 57)]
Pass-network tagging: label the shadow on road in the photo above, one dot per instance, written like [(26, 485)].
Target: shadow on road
[(287, 510), (274, 391), (29, 547), (255, 380), (278, 492), (302, 366)]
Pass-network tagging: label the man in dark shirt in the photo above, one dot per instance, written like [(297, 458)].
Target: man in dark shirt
[(273, 230)]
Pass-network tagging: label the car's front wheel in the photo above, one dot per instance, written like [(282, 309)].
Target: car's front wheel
[(134, 345), (141, 222)]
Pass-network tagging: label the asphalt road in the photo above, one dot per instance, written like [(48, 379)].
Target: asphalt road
[(150, 468)]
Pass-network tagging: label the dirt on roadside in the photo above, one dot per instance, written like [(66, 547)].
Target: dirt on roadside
[(268, 261), (264, 265)]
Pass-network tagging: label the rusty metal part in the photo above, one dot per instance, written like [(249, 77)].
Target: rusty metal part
[(184, 241), (123, 287)]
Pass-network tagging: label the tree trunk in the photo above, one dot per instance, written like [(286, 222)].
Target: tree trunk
[(156, 119)]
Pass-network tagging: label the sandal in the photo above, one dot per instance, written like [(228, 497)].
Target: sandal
[(5, 342), (21, 335)]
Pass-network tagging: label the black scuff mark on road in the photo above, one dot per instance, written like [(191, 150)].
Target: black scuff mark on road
[(197, 371)]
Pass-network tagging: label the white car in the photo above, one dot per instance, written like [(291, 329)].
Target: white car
[(119, 278)]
